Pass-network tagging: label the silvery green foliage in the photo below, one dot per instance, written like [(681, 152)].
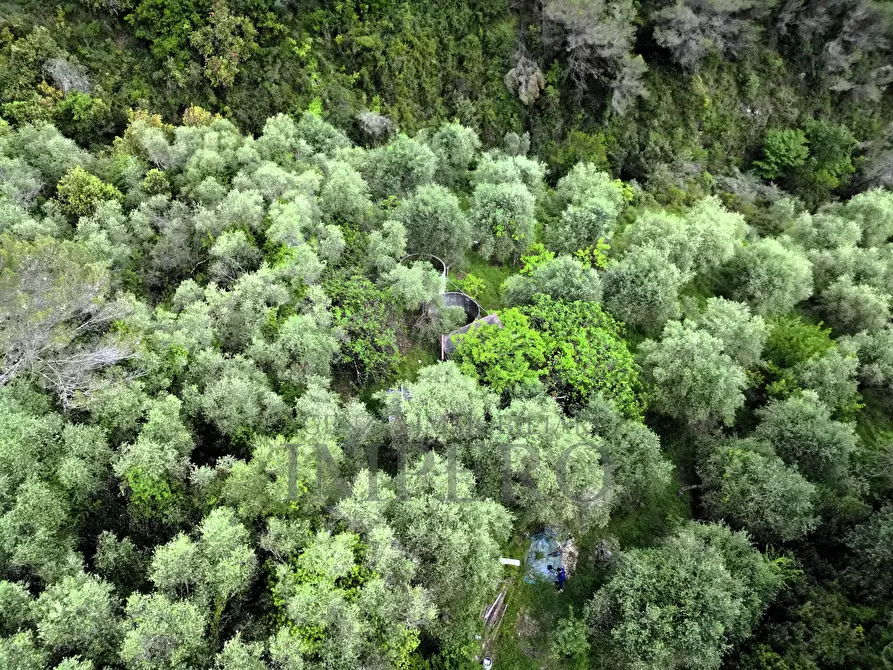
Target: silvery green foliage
[(562, 278), (239, 313), (232, 255), (516, 145), (502, 218), (322, 137), (386, 246), (398, 168), (704, 238), (443, 406), (332, 625), (549, 469), (456, 148), (269, 180), (437, 518), (281, 142), (233, 394), (875, 351), (871, 266), (239, 655), (435, 223), (16, 608), (741, 333), (833, 377), (46, 150), (770, 277), (344, 195), (20, 651), (77, 615), (291, 221), (824, 230), (801, 431), (666, 232), (493, 168), (162, 448), (638, 467), (628, 83), (19, 182), (160, 633), (590, 201), (304, 347), (642, 289), (717, 231), (873, 212), (727, 589), (749, 487), (416, 285), (694, 380), (213, 570), (849, 307), (871, 543)]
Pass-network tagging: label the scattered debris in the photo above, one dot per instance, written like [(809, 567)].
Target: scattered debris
[(493, 614), (606, 551)]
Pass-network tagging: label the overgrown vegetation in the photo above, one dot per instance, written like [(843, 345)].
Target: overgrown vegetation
[(226, 232)]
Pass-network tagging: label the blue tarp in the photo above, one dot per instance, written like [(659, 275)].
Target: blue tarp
[(542, 553)]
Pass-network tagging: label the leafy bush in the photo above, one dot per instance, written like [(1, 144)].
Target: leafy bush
[(782, 149)]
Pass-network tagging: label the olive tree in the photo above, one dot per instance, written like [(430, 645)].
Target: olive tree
[(215, 570), (748, 486), (77, 615), (833, 377), (232, 394), (693, 379), (724, 582), (562, 278), (870, 543), (435, 223), (304, 346), (875, 352), (666, 232), (742, 334), (455, 147), (162, 634), (549, 471), (802, 432), (495, 168), (503, 219), (770, 277), (441, 523), (873, 211), (351, 602), (444, 406), (415, 286), (642, 289), (849, 307), (399, 167), (590, 203), (344, 195), (638, 467)]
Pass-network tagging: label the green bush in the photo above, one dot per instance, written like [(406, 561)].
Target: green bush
[(782, 149)]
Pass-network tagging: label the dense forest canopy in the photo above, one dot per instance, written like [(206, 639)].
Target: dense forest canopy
[(311, 313)]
